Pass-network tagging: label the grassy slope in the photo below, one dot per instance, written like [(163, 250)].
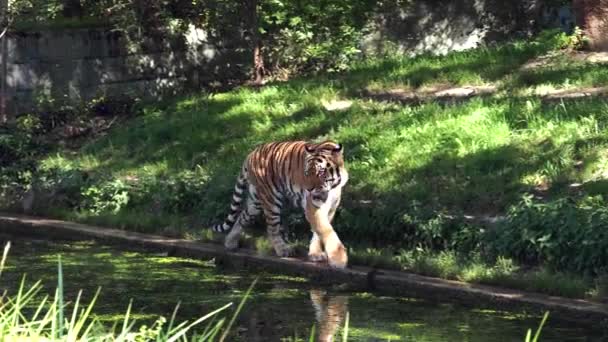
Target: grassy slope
[(179, 159)]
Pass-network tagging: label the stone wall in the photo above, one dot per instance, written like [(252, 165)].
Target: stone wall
[(441, 26), (81, 64)]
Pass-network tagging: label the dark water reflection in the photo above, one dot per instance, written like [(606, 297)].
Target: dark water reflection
[(281, 308)]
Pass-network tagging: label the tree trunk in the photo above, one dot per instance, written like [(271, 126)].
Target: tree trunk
[(256, 42), (72, 9), (592, 16)]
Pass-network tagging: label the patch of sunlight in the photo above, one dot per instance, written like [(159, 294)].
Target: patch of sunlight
[(104, 255), (410, 325), (410, 300), (283, 293), (588, 126), (373, 334), (120, 317), (174, 260), (57, 162), (268, 91), (148, 169), (542, 89), (287, 278), (363, 295), (463, 328), (506, 315), (460, 135), (187, 104), (81, 245), (600, 167), (485, 311)]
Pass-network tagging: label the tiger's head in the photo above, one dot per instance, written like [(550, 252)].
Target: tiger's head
[(325, 161)]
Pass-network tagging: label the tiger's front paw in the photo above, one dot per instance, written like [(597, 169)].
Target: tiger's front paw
[(336, 252), (338, 257), (317, 256)]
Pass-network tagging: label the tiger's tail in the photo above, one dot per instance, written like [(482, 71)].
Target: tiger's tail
[(235, 204)]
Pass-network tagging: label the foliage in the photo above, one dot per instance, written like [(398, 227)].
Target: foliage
[(566, 234), (557, 39), (17, 141), (296, 36), (313, 35)]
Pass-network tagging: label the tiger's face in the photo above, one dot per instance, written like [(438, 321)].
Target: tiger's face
[(325, 161)]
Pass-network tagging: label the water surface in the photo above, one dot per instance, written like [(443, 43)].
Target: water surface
[(282, 308)]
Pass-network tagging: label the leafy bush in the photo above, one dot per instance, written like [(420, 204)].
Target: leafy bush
[(416, 226), (109, 197), (111, 105), (17, 141), (555, 39), (313, 35), (566, 234)]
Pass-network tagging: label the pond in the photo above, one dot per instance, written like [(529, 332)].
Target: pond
[(281, 308)]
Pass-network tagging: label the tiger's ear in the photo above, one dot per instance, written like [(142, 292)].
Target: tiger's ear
[(309, 148), (338, 148)]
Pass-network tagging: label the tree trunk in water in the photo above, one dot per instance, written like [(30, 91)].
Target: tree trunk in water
[(592, 16)]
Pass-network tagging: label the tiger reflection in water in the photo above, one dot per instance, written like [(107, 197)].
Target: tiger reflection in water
[(266, 323), (330, 311)]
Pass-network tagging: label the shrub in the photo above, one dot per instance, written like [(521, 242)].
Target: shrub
[(566, 234)]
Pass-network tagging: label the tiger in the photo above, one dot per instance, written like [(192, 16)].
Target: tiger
[(308, 175)]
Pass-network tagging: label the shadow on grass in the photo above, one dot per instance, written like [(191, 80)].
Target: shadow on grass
[(481, 184), (200, 144), (561, 74)]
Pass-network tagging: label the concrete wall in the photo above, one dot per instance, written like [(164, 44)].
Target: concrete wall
[(80, 64)]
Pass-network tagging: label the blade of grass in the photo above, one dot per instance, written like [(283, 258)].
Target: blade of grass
[(346, 323), (184, 330), (125, 323), (238, 309), (74, 315), (84, 316), (540, 327), (4, 255), (60, 295), (312, 334), (210, 336)]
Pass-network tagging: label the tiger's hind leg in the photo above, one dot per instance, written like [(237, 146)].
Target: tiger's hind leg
[(246, 217), (275, 229)]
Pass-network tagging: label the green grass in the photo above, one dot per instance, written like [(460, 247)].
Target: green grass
[(415, 169), (473, 269), (505, 66)]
